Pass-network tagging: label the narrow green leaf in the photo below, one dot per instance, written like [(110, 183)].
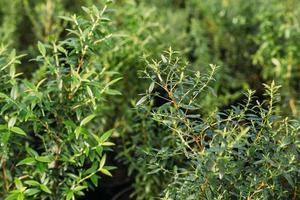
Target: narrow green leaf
[(18, 184), (151, 87), (113, 81), (92, 169), (32, 183), (94, 180), (20, 196), (87, 119), (69, 195), (66, 18), (12, 122), (90, 92), (41, 48), (77, 132), (163, 58), (4, 96), (106, 172), (107, 144), (95, 10), (18, 130), (26, 161), (85, 9), (102, 162), (142, 100), (106, 135), (14, 92), (12, 196), (79, 188), (45, 159), (32, 191), (113, 92), (289, 179), (99, 150), (45, 188)]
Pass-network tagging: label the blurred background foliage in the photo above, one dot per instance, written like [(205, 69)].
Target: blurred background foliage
[(253, 42)]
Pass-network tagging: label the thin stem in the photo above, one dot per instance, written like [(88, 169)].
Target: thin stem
[(5, 180)]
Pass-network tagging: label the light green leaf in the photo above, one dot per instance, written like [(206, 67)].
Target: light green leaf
[(66, 18), (32, 183), (79, 188), (113, 92), (12, 196), (4, 96), (42, 48), (45, 159), (113, 81), (85, 9), (151, 87), (107, 144), (142, 100), (18, 184), (26, 161), (32, 191), (77, 132), (12, 122), (14, 92), (18, 130), (45, 188), (90, 92), (87, 119), (106, 135), (163, 58), (20, 196), (95, 10), (106, 172), (102, 162), (69, 195)]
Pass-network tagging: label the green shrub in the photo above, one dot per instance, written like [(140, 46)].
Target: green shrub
[(48, 148), (246, 152)]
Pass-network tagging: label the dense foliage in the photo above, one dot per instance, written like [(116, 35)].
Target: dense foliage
[(48, 151), (195, 157), (192, 99)]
